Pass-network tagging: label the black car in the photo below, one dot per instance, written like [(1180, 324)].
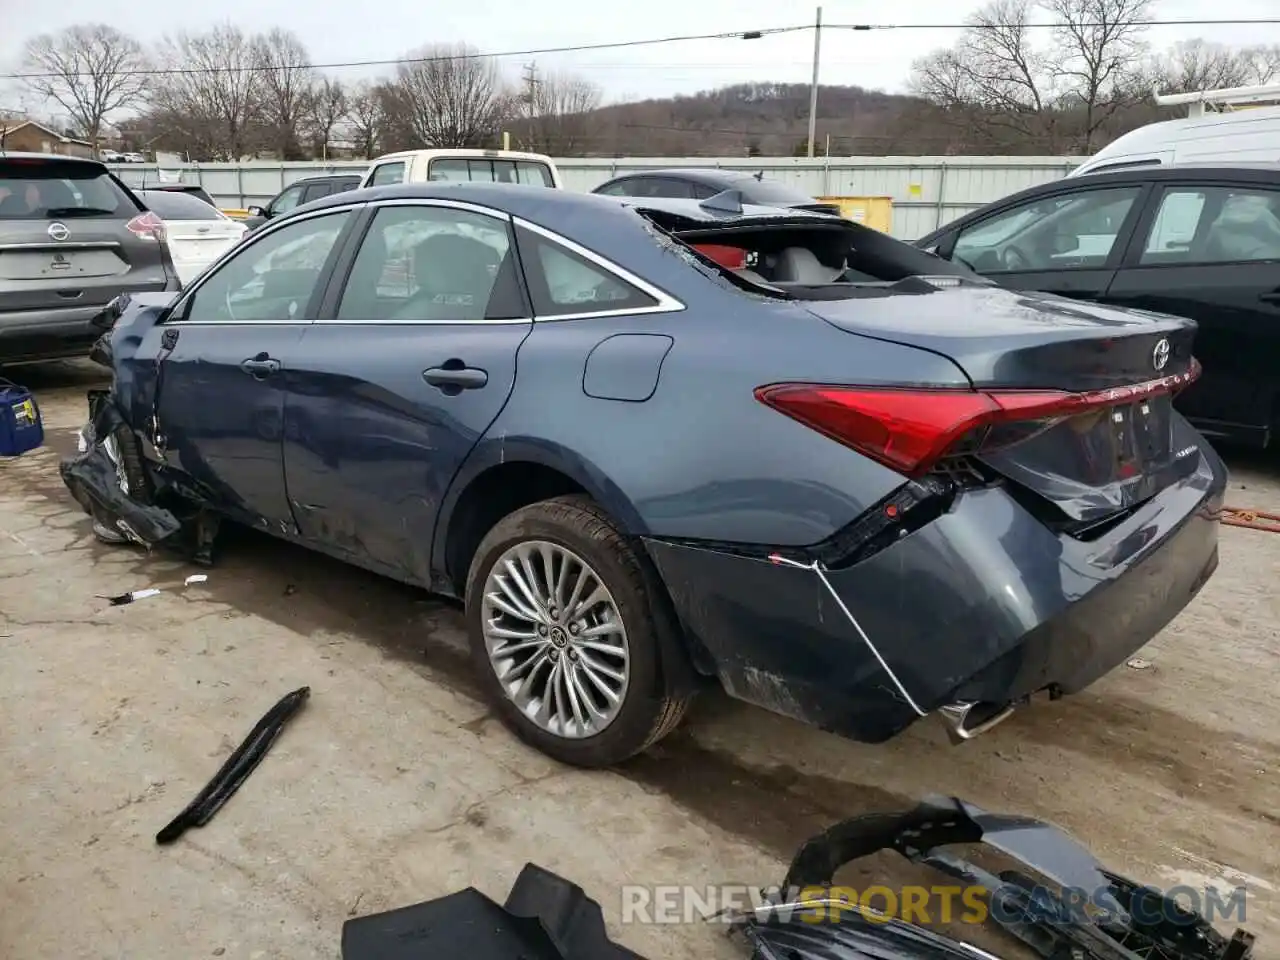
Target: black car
[(702, 183), (1201, 241), (300, 192), (190, 189), (73, 237)]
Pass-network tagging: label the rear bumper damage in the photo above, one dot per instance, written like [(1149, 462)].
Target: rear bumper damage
[(974, 612)]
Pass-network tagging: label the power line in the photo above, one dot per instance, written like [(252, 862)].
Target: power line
[(1225, 22), (627, 44), (435, 58)]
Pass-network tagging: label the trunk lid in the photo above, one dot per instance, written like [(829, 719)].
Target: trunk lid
[(1092, 467), (197, 243)]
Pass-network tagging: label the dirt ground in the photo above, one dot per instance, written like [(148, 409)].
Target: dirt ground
[(395, 785)]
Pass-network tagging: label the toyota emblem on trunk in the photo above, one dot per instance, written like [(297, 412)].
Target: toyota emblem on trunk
[(1160, 355), (58, 231)]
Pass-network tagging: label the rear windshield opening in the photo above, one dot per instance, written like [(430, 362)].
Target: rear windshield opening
[(171, 205), (42, 190), (197, 192), (811, 260)]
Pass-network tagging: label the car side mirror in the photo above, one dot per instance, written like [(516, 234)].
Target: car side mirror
[(256, 211)]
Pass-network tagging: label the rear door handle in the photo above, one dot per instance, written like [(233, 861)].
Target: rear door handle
[(260, 366), (454, 375), (1272, 297)]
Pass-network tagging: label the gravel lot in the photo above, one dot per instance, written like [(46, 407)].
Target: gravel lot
[(395, 785)]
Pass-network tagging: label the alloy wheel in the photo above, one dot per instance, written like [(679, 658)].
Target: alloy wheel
[(555, 639)]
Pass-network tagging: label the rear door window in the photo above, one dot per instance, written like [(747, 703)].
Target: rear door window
[(428, 264), (1199, 225), (178, 206), (43, 190)]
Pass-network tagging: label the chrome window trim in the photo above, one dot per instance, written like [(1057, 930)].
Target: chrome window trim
[(239, 250), (665, 302), (491, 212)]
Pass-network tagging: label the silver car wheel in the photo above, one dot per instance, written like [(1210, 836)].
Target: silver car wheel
[(555, 639)]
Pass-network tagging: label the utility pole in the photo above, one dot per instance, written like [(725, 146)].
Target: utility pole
[(531, 103), (813, 89)]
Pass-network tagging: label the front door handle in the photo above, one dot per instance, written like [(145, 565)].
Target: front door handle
[(453, 376), (261, 366), (1272, 297)]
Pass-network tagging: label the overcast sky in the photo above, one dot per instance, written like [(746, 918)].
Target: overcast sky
[(344, 31)]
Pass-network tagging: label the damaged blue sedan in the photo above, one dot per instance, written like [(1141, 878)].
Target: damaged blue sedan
[(660, 444)]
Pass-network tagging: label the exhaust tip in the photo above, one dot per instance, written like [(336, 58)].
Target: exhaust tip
[(966, 720)]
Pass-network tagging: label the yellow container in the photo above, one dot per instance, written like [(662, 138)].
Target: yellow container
[(873, 212)]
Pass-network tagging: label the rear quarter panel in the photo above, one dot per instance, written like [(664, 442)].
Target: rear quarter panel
[(701, 458)]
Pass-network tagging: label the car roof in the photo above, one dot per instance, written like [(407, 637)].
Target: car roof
[(61, 157), (311, 177), (465, 152), (708, 175), (1263, 173), (532, 203)]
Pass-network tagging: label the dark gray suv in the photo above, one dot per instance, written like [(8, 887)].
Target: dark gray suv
[(72, 237)]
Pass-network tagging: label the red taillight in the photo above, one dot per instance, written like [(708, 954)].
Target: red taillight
[(146, 225), (911, 430), (731, 258)]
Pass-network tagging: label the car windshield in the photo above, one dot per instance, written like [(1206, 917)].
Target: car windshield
[(803, 258), (171, 205), (42, 190)]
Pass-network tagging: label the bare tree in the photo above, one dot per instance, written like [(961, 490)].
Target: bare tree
[(211, 96), (91, 71), (1064, 90), (995, 78), (326, 109), (1264, 63), (364, 118), (286, 83), (554, 108), (452, 94), (1099, 50), (1199, 65)]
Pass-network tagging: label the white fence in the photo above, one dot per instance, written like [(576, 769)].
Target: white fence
[(926, 191)]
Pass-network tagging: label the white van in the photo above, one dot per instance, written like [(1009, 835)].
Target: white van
[(480, 166), (1222, 126)]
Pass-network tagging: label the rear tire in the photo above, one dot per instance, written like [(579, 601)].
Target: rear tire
[(553, 547)]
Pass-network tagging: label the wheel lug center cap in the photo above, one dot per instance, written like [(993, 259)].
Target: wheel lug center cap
[(558, 636)]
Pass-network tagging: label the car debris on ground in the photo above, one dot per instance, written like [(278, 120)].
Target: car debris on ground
[(237, 767), (1059, 902)]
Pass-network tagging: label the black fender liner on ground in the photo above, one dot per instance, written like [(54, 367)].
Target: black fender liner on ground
[(545, 917)]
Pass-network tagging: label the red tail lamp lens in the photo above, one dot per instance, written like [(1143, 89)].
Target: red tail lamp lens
[(911, 430)]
